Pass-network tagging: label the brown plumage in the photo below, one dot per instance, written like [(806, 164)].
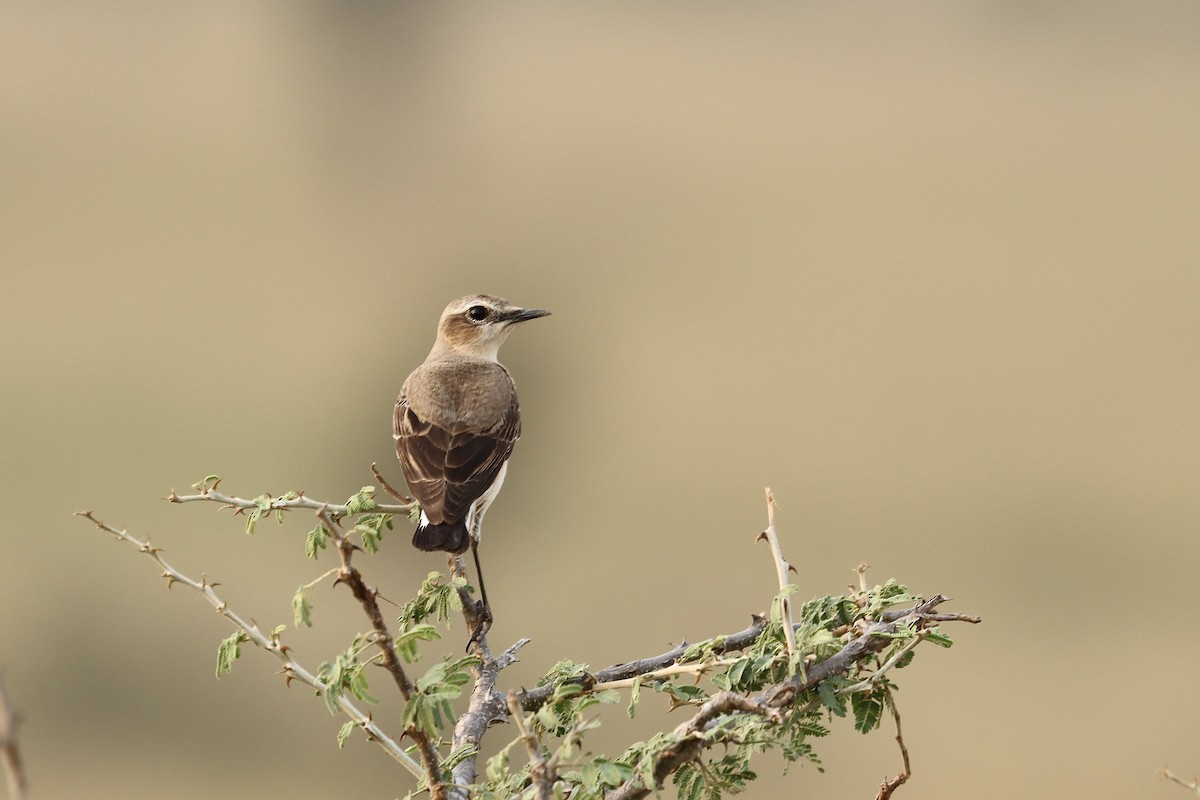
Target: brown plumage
[(456, 422)]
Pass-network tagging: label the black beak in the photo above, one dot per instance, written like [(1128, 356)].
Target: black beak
[(522, 314)]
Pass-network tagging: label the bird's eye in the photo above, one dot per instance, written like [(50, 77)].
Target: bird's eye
[(478, 313)]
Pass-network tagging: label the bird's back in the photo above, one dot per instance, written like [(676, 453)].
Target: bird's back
[(455, 425)]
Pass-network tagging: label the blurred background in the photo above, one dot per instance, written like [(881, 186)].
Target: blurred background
[(931, 271)]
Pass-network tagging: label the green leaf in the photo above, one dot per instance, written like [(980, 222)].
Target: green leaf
[(868, 710), (229, 650), (317, 540), (301, 609), (936, 636), (344, 733), (634, 691), (407, 640), (363, 501), (207, 484), (262, 507), (827, 691), (370, 528)]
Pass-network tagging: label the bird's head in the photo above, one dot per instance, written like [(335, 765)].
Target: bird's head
[(476, 326)]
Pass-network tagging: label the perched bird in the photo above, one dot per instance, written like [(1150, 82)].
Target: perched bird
[(456, 422)]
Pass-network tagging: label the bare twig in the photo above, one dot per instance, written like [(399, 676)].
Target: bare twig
[(869, 683), (696, 668), (365, 595), (291, 669), (387, 487), (1193, 785), (10, 753), (888, 786), (781, 570)]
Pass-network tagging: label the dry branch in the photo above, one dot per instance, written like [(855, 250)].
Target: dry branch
[(292, 670)]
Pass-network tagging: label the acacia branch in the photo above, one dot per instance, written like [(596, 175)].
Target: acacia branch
[(888, 786), (532, 699), (690, 740), (337, 510), (782, 567), (486, 704), (875, 637), (365, 595), (292, 670)]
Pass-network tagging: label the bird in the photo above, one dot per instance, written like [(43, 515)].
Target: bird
[(455, 423)]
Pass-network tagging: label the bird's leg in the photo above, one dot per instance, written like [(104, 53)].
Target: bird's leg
[(482, 608)]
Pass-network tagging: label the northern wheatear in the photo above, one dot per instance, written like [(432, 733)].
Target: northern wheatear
[(456, 422)]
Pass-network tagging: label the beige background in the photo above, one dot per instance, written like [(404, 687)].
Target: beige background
[(931, 271)]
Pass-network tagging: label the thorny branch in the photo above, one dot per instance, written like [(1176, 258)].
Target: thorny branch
[(487, 705), (873, 638), (10, 754), (366, 595), (782, 567), (336, 510), (888, 786), (691, 741), (292, 670)]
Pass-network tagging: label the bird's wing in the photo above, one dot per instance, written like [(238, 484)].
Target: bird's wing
[(448, 471)]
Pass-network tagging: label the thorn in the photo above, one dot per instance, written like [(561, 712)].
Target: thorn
[(172, 497), (792, 569), (760, 537), (171, 580)]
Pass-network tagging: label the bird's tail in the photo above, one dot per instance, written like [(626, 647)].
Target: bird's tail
[(449, 537)]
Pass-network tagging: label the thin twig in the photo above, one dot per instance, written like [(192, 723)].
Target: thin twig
[(10, 753), (697, 668), (387, 487), (869, 683), (781, 570), (292, 670), (280, 503), (1194, 785), (365, 596), (888, 786)]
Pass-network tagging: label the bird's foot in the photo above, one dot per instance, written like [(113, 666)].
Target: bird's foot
[(483, 623)]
